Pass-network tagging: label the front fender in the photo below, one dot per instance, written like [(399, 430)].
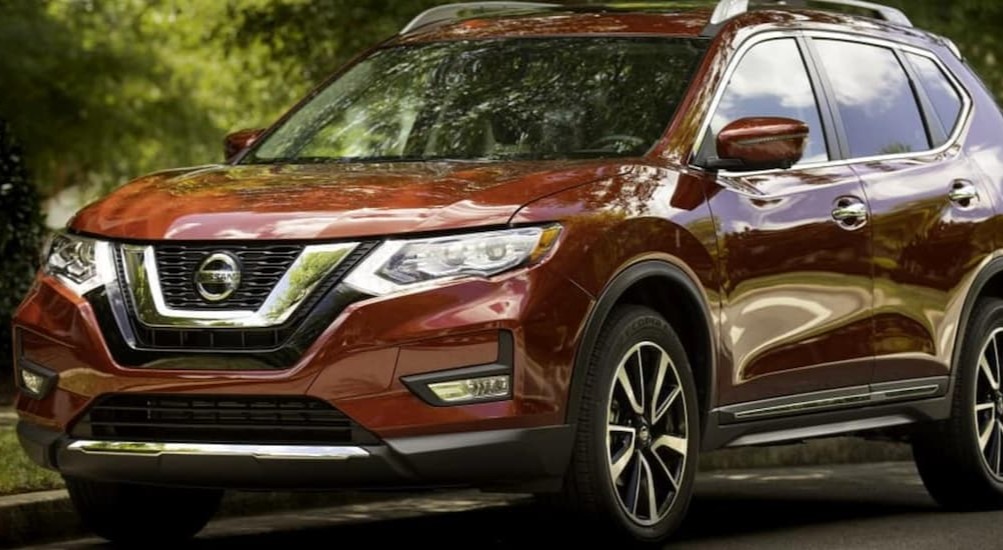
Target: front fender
[(648, 225)]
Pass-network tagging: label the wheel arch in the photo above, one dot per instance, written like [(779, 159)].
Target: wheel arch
[(988, 283), (675, 295)]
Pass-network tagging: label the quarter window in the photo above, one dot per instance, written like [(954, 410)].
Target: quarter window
[(876, 102), (946, 101), (771, 81)]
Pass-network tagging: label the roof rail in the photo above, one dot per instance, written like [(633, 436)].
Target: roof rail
[(455, 12), (726, 9)]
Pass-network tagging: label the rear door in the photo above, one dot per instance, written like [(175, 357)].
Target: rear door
[(902, 118)]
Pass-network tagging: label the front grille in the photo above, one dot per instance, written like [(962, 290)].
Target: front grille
[(262, 266), (219, 419), (231, 339)]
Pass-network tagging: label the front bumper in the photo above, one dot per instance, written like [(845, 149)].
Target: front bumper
[(532, 458), (360, 364)]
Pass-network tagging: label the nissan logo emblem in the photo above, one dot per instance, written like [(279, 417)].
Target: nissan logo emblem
[(217, 277)]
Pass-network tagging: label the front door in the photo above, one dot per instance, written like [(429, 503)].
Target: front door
[(795, 247)]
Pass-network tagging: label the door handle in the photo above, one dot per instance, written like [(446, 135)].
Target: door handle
[(850, 213), (963, 193)]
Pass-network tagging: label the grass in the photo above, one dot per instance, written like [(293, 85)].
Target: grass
[(17, 473)]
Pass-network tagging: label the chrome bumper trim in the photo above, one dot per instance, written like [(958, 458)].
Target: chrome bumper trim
[(218, 449)]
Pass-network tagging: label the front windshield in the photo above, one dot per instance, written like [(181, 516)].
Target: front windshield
[(492, 100)]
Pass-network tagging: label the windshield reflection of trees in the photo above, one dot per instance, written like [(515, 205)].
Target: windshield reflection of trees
[(493, 99)]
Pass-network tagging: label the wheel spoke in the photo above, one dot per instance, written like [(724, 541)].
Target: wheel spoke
[(628, 388), (635, 487), (999, 445), (666, 470), (664, 407), (640, 381), (650, 485), (987, 372), (675, 443), (986, 434), (984, 406), (996, 355), (663, 367), (619, 463)]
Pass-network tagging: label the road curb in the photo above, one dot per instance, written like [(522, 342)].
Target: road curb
[(34, 517), (46, 516)]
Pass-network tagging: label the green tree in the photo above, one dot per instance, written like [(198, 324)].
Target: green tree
[(20, 237)]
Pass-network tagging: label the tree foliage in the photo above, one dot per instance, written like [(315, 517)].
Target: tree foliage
[(20, 235), (103, 90)]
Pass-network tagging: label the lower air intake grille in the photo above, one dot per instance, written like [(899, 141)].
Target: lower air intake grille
[(208, 419)]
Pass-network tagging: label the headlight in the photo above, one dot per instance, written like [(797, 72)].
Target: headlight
[(79, 263), (402, 265)]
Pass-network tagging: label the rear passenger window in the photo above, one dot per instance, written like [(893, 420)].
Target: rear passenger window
[(943, 95), (877, 105)]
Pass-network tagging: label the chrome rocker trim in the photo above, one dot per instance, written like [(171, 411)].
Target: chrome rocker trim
[(283, 452), (313, 265)]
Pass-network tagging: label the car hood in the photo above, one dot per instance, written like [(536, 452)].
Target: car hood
[(327, 201)]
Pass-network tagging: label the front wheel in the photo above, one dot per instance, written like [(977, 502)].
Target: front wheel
[(637, 437), (141, 514)]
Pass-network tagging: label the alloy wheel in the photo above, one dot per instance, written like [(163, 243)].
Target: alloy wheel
[(646, 434), (989, 403)]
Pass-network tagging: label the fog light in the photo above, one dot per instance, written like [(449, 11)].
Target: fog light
[(35, 381), (472, 389)]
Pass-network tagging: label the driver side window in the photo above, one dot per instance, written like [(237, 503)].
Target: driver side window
[(771, 81)]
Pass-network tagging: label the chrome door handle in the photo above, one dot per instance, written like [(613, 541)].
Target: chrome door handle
[(850, 213), (963, 193)]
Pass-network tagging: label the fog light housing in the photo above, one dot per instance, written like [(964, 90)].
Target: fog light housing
[(35, 381), (473, 389), (468, 385)]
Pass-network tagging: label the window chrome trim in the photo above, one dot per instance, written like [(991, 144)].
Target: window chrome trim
[(958, 133), (141, 275), (150, 449)]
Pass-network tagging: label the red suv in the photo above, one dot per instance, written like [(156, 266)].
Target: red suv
[(549, 249)]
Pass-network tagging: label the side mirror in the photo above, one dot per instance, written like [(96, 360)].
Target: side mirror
[(240, 140), (761, 143)]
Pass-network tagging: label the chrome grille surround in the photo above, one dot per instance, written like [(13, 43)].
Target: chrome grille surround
[(142, 285)]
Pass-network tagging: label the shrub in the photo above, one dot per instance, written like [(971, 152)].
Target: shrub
[(21, 233)]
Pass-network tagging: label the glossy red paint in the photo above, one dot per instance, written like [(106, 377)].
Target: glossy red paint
[(763, 142), (684, 23), (326, 202), (353, 364), (793, 301)]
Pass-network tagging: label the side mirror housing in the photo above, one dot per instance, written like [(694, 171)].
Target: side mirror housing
[(760, 143), (240, 140)]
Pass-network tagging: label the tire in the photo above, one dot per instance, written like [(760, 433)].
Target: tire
[(958, 471), (643, 452), (142, 514)]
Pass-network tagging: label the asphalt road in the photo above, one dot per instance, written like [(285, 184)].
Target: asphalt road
[(882, 506)]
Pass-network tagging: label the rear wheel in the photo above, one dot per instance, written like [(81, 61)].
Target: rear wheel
[(637, 441), (961, 459), (142, 514)]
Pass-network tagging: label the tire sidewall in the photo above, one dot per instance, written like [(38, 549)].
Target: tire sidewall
[(635, 326)]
